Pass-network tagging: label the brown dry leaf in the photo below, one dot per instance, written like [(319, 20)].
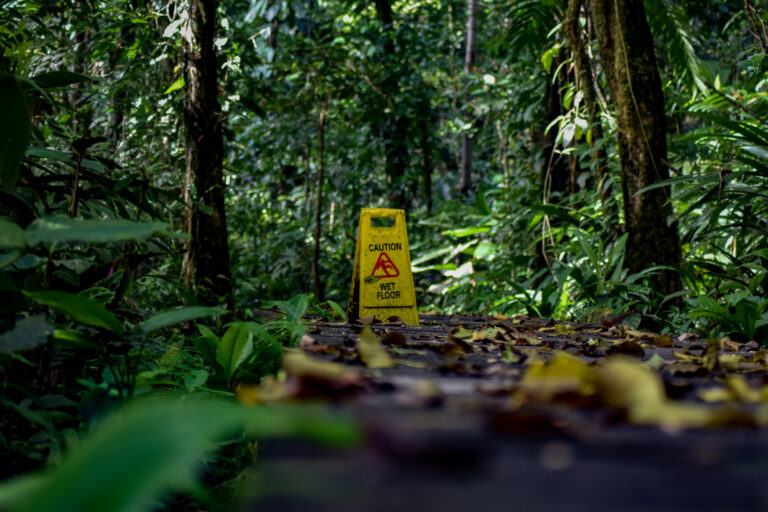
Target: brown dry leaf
[(371, 351), (524, 337), (307, 340), (640, 335), (688, 336), (628, 348), (662, 341), (394, 338), (465, 346), (711, 357)]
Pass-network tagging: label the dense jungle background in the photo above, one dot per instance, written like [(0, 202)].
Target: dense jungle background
[(181, 185)]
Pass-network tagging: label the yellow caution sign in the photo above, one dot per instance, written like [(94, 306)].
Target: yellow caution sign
[(382, 283)]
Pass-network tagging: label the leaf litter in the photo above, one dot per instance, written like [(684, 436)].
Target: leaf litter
[(527, 370)]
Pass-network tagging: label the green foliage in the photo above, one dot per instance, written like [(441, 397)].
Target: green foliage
[(14, 130), (176, 316), (153, 447), (92, 310)]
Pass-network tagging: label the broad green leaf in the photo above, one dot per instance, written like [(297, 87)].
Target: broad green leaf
[(235, 346), (75, 339), (338, 310), (175, 86), (154, 446), (28, 333), (79, 308), (462, 232), (63, 229), (207, 346), (175, 316), (53, 79), (14, 130), (11, 235)]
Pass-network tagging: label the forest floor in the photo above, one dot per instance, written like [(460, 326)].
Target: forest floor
[(495, 413)]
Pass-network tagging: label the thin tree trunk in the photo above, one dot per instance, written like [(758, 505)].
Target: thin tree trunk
[(83, 113), (395, 125), (319, 207), (465, 181), (626, 54), (426, 156), (583, 77), (206, 262)]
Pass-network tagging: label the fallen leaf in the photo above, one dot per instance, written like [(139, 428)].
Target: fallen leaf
[(628, 348), (711, 358), (371, 351), (488, 334), (662, 340), (299, 364), (656, 362), (626, 385), (394, 338), (729, 362), (307, 340), (564, 374)]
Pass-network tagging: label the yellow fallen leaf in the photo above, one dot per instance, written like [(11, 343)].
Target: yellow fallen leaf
[(729, 362), (299, 364), (270, 390), (371, 350), (564, 374), (488, 334), (627, 385)]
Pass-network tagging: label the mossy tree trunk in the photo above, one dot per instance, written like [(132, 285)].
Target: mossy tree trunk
[(206, 262), (627, 57)]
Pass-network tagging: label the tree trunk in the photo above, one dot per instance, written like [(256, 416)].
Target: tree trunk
[(395, 125), (426, 156), (206, 262), (319, 207), (585, 84), (626, 54), (465, 181)]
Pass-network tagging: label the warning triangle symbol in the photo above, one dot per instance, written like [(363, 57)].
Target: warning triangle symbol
[(385, 267)]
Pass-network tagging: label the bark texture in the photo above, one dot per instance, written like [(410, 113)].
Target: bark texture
[(626, 54), (206, 262)]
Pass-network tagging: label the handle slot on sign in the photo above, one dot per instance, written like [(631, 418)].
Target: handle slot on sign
[(382, 222)]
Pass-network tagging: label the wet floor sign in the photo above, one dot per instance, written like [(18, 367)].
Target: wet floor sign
[(382, 283)]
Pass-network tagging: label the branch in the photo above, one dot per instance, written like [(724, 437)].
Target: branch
[(737, 104)]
